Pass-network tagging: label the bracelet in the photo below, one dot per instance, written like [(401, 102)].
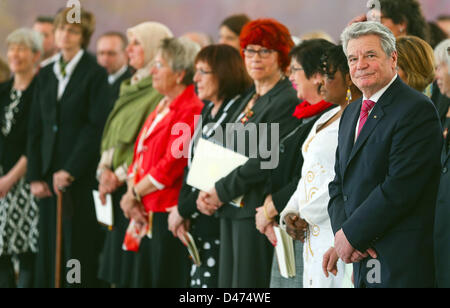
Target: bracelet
[(136, 196), (266, 214)]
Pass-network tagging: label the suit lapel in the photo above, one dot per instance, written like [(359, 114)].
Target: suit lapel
[(445, 156), (349, 132), (76, 77), (374, 118), (372, 122)]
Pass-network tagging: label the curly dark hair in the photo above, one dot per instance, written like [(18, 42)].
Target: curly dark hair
[(333, 60), (408, 11), (309, 53)]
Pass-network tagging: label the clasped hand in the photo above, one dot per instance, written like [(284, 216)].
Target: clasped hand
[(347, 253), (208, 202), (132, 209)]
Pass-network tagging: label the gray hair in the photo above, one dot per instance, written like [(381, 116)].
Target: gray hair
[(28, 37), (441, 54), (359, 29), (180, 53)]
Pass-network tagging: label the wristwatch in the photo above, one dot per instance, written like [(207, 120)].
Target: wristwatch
[(136, 196)]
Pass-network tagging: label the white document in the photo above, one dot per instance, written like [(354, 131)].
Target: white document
[(285, 253), (211, 163), (104, 212)]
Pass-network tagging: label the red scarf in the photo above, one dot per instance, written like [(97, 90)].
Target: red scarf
[(306, 110)]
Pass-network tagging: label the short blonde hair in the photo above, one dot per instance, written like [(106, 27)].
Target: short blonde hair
[(87, 24), (416, 59)]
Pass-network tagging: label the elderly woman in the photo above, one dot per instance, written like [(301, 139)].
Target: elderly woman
[(18, 210), (442, 226), (221, 78), (245, 254), (306, 76), (231, 28), (136, 101), (156, 173), (69, 110), (415, 63), (310, 201)]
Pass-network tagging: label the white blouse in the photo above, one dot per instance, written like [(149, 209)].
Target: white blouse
[(311, 197)]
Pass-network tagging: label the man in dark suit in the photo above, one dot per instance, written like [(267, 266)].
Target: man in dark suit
[(112, 55), (387, 169), (442, 226)]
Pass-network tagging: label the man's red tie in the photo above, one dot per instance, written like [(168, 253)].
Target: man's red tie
[(367, 105)]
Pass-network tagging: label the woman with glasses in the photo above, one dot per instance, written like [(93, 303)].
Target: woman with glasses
[(70, 106), (137, 99), (309, 203), (306, 76), (245, 254), (156, 174), (220, 78)]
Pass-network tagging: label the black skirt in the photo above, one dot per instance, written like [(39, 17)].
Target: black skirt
[(115, 263)]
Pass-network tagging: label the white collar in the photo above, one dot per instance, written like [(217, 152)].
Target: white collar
[(49, 60), (375, 97), (70, 67), (113, 77)]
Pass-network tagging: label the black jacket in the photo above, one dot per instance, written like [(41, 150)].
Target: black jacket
[(283, 180), (384, 192), (274, 108), (66, 134), (441, 224), (204, 226), (13, 145)]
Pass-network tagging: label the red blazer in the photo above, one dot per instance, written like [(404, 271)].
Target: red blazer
[(155, 156)]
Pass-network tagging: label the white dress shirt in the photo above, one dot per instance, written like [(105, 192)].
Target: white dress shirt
[(374, 98), (113, 77), (70, 67)]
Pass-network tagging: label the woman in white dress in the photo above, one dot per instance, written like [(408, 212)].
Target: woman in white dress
[(310, 200)]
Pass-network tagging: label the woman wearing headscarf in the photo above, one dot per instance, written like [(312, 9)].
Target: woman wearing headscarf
[(70, 106), (245, 254), (136, 101), (156, 173), (18, 209)]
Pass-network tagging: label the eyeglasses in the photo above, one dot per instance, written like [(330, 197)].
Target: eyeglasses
[(262, 53), (158, 65), (69, 30), (203, 72), (296, 69)]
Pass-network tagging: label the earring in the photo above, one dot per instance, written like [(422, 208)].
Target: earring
[(349, 96)]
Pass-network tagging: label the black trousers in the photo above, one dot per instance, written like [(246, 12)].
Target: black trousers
[(163, 261), (26, 268), (82, 239), (245, 255)]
